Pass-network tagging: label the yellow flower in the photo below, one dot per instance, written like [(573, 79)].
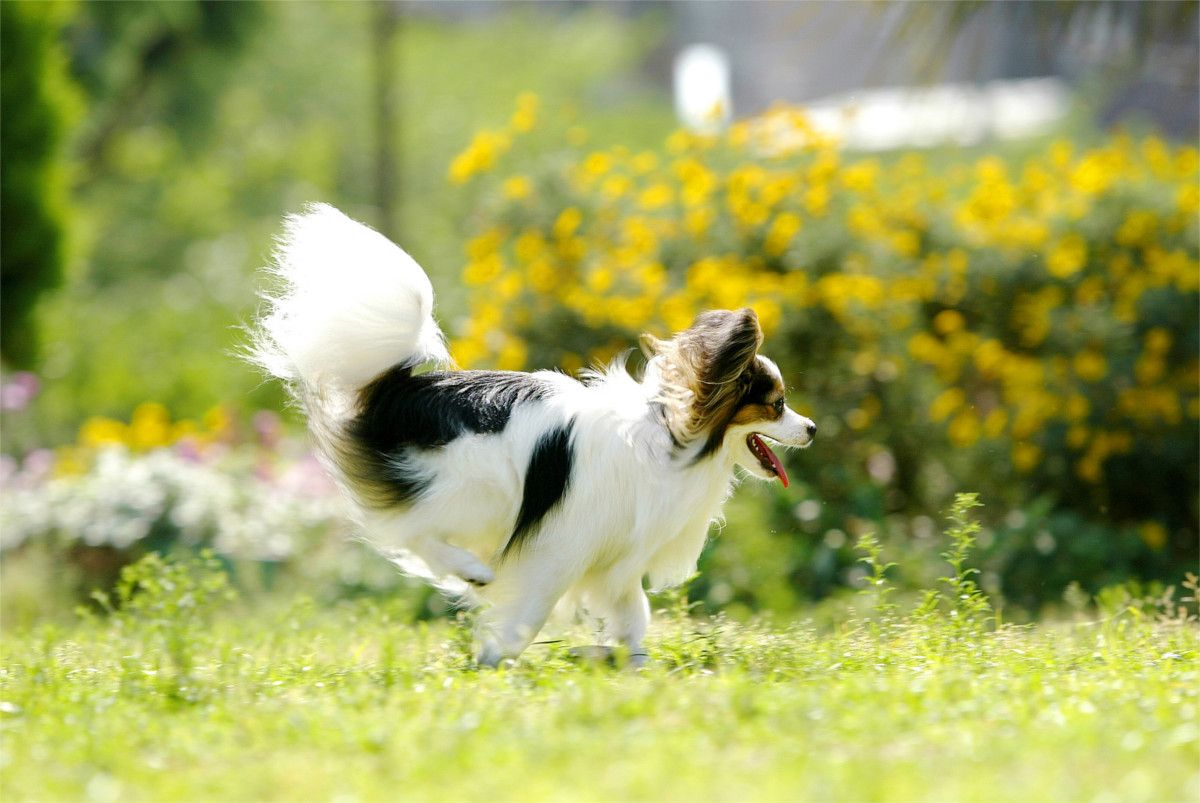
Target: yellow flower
[(616, 186), (183, 429), (1067, 257), (644, 162), (468, 352), (525, 117), (518, 188), (989, 358), (567, 222), (697, 221), (570, 362), (529, 246), (482, 271), (995, 422), (512, 355), (656, 196), (217, 421), (1078, 407), (486, 245), (1025, 457), (925, 347), (858, 419), (99, 431), (1090, 365), (676, 311), (769, 313), (680, 141), (964, 429), (783, 230), (1154, 534), (947, 403), (597, 164), (509, 286), (1187, 198), (862, 176), (1094, 174), (1149, 369), (948, 321), (543, 277), (480, 156), (600, 280), (816, 200), (906, 243), (1137, 228), (1077, 436), (1158, 340), (1089, 468), (150, 426)]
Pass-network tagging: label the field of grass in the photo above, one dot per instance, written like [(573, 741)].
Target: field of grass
[(184, 693)]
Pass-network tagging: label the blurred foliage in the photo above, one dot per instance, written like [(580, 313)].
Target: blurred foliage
[(1027, 327), (1118, 33), (38, 103), (208, 121)]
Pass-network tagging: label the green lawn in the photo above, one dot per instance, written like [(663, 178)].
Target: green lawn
[(183, 695)]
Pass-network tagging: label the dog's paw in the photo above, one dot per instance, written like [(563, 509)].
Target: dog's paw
[(490, 656), (479, 577), (617, 657)]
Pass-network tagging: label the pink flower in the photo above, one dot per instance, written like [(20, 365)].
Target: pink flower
[(19, 391), (268, 428)]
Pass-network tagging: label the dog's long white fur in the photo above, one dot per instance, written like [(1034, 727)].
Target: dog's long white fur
[(351, 306)]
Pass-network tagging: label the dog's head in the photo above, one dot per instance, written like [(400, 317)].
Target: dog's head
[(718, 389)]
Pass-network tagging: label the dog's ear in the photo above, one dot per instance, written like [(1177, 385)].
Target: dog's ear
[(720, 345), (651, 345), (724, 344), (702, 370)]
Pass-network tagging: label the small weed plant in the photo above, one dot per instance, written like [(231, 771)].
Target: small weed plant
[(177, 691)]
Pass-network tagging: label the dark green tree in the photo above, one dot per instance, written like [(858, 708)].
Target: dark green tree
[(37, 106)]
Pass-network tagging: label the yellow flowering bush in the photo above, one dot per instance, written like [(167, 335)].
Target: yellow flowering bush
[(1026, 327)]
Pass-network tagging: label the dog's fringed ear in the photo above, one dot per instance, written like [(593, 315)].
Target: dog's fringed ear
[(651, 345), (720, 345), (727, 342), (702, 367)]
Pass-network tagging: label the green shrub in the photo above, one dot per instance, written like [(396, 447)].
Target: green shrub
[(1027, 327)]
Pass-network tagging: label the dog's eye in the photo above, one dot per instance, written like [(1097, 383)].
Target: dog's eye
[(778, 405)]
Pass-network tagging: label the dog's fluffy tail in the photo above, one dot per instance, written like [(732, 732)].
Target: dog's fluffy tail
[(350, 304)]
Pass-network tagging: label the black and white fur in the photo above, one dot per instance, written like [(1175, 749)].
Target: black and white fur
[(515, 491)]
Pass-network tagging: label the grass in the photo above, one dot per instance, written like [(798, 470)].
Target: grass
[(180, 693)]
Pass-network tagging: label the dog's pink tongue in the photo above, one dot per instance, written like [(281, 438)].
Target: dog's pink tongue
[(779, 470)]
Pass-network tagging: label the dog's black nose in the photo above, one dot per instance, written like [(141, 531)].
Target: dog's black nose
[(812, 430)]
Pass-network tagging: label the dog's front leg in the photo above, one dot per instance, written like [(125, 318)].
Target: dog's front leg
[(630, 618)]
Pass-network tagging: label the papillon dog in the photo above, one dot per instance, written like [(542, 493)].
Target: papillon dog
[(516, 492)]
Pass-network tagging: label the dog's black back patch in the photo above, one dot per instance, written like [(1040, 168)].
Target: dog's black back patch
[(401, 413), (546, 483)]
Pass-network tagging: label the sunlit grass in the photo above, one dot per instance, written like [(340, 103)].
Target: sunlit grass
[(182, 694)]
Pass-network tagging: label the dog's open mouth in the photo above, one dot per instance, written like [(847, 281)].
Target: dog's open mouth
[(767, 458)]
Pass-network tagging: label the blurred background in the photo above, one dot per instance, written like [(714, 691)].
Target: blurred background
[(969, 229)]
